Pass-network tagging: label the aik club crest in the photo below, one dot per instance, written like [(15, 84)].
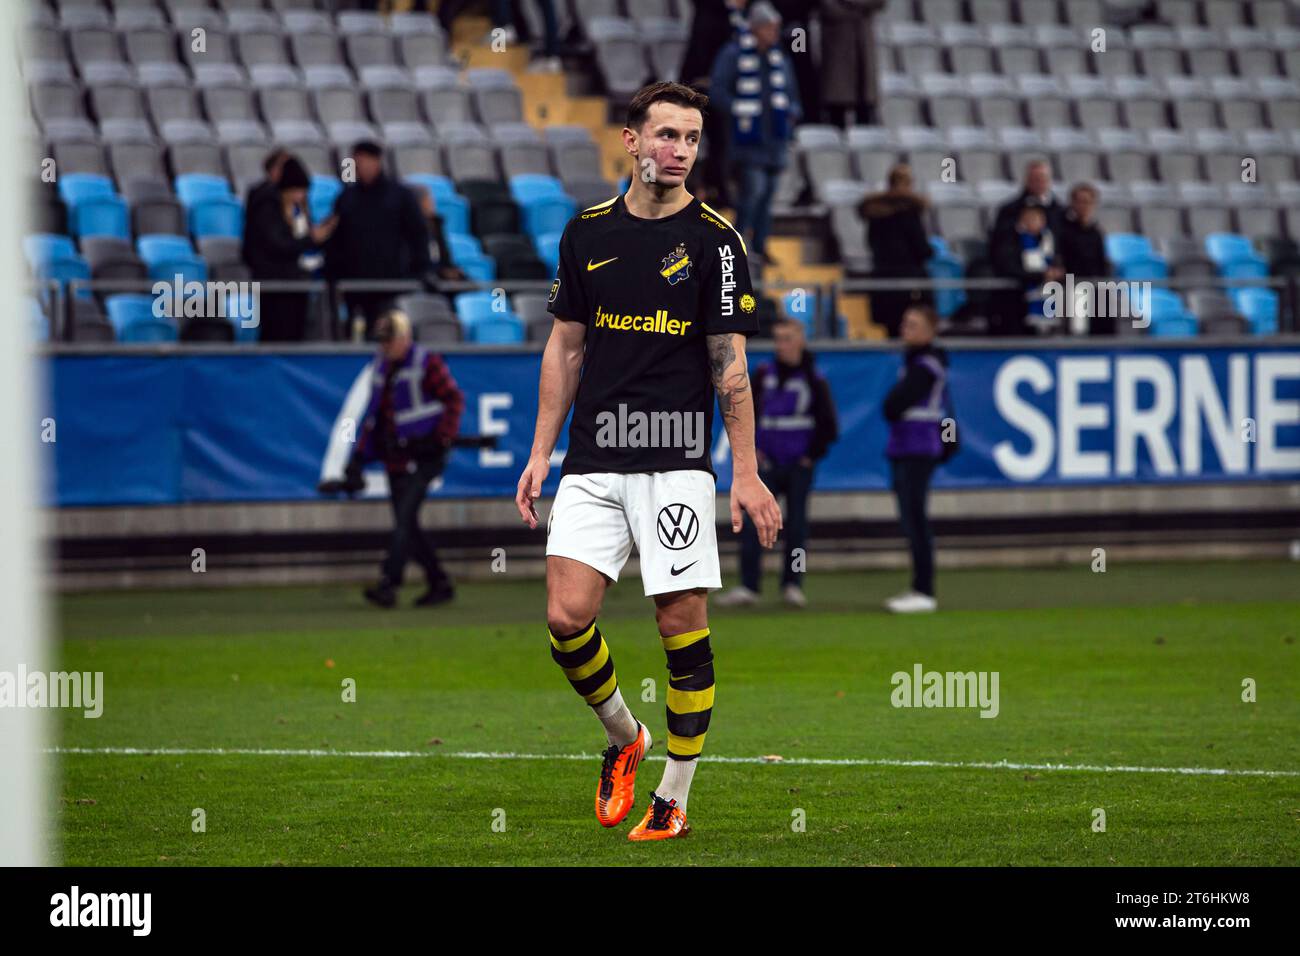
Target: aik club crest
[(676, 265)]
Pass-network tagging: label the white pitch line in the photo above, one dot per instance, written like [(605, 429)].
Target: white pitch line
[(788, 761)]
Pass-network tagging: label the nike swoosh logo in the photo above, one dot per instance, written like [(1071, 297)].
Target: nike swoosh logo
[(593, 266), (674, 571)]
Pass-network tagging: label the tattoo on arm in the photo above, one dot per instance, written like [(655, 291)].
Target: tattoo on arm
[(730, 378)]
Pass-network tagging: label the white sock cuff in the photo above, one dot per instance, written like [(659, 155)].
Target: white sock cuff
[(611, 705)]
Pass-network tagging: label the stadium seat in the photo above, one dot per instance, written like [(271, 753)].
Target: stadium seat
[(500, 329), (468, 254), (321, 195), (217, 216), (75, 187), (451, 206), (945, 265), (548, 249), (42, 247), (126, 309), (1235, 255), (1260, 307), (104, 215), (475, 307), (149, 330), (192, 187)]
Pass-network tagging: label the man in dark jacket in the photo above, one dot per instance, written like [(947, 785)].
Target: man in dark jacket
[(1081, 247), (1036, 191), (919, 439), (795, 426), (410, 422), (380, 235), (899, 245)]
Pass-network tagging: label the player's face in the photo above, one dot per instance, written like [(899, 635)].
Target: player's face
[(665, 147)]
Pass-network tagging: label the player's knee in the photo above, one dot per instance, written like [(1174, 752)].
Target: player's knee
[(565, 618), (680, 617)]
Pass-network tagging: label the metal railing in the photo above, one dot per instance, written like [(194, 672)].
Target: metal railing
[(329, 298)]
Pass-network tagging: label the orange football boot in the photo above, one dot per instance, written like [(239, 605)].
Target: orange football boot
[(616, 791), (662, 821)]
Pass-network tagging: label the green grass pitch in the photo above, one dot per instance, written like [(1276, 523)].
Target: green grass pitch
[(1141, 666)]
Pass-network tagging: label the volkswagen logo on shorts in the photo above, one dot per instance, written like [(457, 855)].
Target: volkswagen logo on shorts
[(678, 527)]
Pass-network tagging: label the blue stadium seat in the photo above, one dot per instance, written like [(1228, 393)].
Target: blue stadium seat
[(321, 195), (1168, 315), (547, 213), (451, 205), (803, 308), (475, 307), (468, 254), (528, 186), (217, 216), (75, 187), (193, 187), (64, 269), (1121, 246), (1226, 247), (944, 264), (38, 324), (149, 330), (190, 268), (128, 308), (155, 247), (101, 215), (501, 329), (548, 249), (41, 247), (1260, 307)]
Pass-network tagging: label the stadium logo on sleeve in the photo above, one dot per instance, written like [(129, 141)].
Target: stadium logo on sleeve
[(728, 260), (678, 526), (676, 265), (747, 303), (555, 289)]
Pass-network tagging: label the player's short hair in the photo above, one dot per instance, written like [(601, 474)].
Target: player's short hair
[(675, 93), (926, 311)]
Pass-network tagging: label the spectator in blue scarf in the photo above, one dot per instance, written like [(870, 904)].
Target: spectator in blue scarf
[(754, 85)]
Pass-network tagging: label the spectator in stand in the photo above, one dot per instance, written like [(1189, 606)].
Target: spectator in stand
[(1027, 254), (714, 24), (265, 189), (899, 246), (795, 427), (409, 425), (1037, 189), (381, 235), (439, 251), (753, 86), (916, 409), (279, 243), (849, 61), (1082, 248), (798, 16), (503, 19)]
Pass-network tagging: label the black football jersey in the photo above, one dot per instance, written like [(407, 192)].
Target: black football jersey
[(649, 292)]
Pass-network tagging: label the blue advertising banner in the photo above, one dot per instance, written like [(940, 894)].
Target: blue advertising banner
[(186, 427)]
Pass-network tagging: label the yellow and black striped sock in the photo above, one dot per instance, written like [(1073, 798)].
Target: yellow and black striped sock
[(587, 663), (690, 692)]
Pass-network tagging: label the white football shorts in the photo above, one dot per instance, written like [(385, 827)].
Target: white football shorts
[(668, 515)]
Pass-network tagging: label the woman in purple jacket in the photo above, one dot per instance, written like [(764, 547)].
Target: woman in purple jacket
[(921, 435)]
